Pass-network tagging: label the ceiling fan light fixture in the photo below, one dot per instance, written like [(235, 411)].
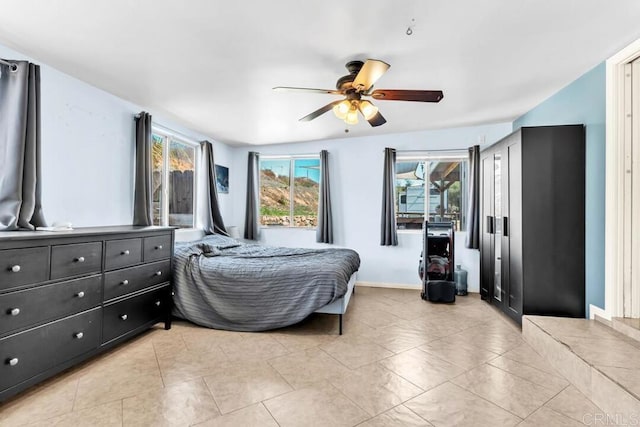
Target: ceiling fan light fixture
[(341, 109), (367, 109), (352, 117)]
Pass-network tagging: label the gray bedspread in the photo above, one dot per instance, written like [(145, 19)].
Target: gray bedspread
[(223, 284)]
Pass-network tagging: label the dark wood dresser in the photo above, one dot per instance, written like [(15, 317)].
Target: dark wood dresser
[(66, 296)]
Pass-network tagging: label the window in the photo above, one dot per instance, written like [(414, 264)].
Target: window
[(432, 188), (289, 191), (173, 180)]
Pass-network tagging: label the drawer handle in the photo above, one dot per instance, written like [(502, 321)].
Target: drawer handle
[(126, 252), (124, 316), (124, 282), (80, 259), (158, 273), (15, 268), (159, 247), (78, 335), (13, 362), (14, 311), (80, 294), (157, 303)]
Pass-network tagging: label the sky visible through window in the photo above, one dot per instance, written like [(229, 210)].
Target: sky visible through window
[(304, 168)]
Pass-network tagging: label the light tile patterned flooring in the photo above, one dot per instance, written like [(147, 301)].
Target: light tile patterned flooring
[(400, 362)]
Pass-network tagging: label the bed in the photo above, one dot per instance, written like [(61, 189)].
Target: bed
[(225, 284)]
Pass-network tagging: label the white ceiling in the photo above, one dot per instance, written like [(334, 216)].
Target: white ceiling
[(210, 64)]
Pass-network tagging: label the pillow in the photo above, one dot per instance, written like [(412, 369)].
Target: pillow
[(220, 241)]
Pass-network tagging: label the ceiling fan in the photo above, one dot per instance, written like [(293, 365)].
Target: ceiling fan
[(358, 84)]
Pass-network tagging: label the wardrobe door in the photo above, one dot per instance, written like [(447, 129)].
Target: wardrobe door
[(497, 200), (512, 230), (486, 226)]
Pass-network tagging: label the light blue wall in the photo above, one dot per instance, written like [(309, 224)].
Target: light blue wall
[(88, 150), (583, 101)]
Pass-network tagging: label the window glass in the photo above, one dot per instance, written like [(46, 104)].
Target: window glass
[(173, 165), (444, 180), (157, 168), (181, 184), (306, 189), (275, 192), (410, 195), (289, 192)]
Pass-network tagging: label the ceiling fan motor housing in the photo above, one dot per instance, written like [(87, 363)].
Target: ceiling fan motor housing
[(345, 82)]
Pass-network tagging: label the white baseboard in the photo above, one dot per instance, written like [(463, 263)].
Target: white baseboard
[(389, 285), (597, 311)]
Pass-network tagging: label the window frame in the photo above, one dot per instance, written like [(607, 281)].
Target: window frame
[(168, 135), (291, 158), (461, 155)]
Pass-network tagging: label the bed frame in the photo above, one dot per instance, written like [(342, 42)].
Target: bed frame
[(339, 306)]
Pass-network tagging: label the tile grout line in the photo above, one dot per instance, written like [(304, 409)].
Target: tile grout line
[(523, 378), (267, 409), (487, 400), (215, 402)]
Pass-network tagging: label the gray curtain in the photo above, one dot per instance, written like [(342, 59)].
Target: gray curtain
[(143, 194), (20, 177), (213, 218), (389, 234), (251, 229), (473, 209), (324, 232)]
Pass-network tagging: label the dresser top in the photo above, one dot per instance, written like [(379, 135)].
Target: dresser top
[(7, 236)]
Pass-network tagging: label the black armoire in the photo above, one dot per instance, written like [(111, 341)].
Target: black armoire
[(532, 227)]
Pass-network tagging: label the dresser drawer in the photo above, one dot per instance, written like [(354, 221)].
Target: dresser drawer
[(21, 309), (157, 247), (26, 354), (122, 253), (23, 266), (131, 313), (128, 280), (76, 259)]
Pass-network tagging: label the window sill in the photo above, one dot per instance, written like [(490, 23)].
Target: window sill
[(409, 231), (282, 227)]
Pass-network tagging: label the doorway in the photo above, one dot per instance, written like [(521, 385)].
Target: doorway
[(622, 235)]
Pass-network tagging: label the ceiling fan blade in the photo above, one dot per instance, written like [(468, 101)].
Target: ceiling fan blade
[(370, 72), (407, 95), (377, 120), (306, 90), (320, 111)]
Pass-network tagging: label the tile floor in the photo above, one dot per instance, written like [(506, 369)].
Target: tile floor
[(400, 362)]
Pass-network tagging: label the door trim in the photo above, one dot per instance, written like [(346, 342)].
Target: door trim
[(617, 163)]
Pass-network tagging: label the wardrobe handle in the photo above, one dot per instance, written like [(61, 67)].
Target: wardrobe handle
[(489, 225), (505, 227)]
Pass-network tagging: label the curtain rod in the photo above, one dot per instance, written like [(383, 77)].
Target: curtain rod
[(289, 156), (431, 151), (175, 133), (12, 65)]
